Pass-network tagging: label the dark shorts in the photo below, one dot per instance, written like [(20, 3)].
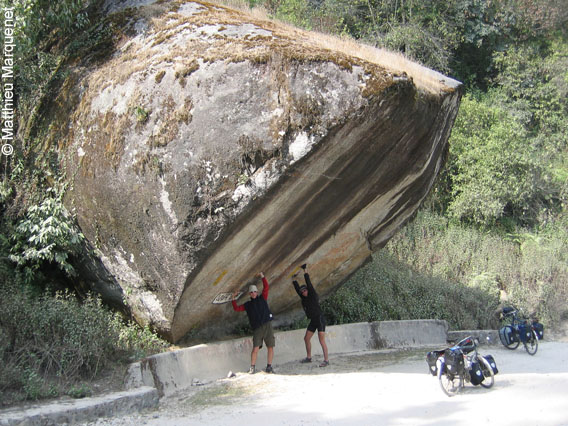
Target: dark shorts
[(317, 324), (264, 332)]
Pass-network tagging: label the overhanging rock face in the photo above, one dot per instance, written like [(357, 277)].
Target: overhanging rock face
[(213, 145)]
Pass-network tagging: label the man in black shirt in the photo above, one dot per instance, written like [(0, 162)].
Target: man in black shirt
[(310, 303)]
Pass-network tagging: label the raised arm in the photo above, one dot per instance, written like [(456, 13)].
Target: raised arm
[(311, 289), (297, 287), (265, 286), (236, 307)]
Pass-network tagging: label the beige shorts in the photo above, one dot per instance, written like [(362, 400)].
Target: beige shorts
[(264, 332)]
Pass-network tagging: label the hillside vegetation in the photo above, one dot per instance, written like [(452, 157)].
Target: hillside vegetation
[(495, 225)]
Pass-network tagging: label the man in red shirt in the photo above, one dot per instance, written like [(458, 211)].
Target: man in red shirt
[(260, 319)]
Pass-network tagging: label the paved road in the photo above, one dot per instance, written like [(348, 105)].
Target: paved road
[(378, 388)]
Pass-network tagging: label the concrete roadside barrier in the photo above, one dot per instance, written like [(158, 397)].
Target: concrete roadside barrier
[(172, 371), (485, 337), (82, 410)]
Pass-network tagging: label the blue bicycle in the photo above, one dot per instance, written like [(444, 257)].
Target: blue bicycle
[(520, 330)]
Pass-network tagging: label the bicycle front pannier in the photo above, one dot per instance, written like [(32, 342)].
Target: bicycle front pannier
[(492, 363), (539, 328), (475, 373), (454, 361), (524, 332), (507, 335)]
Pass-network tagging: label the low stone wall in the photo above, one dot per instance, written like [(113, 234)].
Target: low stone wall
[(485, 337), (172, 371), (81, 410)]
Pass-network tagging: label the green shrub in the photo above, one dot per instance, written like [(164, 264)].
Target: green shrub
[(434, 268), (137, 341), (46, 235), (529, 267), (53, 344), (539, 284), (386, 289), (58, 336), (80, 391)]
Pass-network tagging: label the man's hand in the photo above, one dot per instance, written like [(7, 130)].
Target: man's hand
[(235, 294), (260, 275)]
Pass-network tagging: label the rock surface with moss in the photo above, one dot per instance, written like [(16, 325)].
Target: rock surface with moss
[(211, 145)]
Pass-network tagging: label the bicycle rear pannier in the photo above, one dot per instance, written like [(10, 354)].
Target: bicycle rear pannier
[(539, 328), (454, 361), (431, 358), (507, 335), (475, 373), (524, 332), (507, 310), (492, 363)]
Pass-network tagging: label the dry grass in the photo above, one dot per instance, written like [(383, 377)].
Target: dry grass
[(395, 62), (291, 42), (258, 12)]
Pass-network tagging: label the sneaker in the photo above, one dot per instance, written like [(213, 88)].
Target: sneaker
[(269, 369), (304, 266), (306, 360), (324, 364), (252, 369)]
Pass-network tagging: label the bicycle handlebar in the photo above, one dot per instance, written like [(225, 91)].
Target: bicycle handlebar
[(467, 344)]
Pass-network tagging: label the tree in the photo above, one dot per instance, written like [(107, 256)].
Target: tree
[(534, 82), (533, 86), (493, 171), (296, 12)]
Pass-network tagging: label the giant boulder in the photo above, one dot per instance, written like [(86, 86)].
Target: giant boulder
[(212, 145)]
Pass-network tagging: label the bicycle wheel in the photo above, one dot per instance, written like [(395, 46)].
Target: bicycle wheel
[(451, 384), (489, 376), (531, 345), (513, 345)]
